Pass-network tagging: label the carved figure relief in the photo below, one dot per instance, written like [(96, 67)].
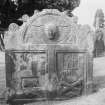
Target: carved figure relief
[(28, 65), (71, 69), (51, 30)]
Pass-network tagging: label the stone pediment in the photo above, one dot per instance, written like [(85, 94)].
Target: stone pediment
[(50, 27)]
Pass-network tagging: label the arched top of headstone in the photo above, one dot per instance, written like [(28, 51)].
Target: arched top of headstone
[(51, 13), (53, 27)]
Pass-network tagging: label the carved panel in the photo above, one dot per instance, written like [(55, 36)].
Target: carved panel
[(72, 64), (67, 73), (70, 70), (25, 64)]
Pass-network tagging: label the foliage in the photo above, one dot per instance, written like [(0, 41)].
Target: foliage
[(59, 4), (12, 10)]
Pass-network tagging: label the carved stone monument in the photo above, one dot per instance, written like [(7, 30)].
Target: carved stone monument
[(99, 38), (53, 54)]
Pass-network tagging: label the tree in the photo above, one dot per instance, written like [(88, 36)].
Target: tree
[(12, 10), (61, 5)]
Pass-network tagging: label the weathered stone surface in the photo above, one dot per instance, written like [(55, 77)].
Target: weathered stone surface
[(33, 31), (2, 74), (57, 46)]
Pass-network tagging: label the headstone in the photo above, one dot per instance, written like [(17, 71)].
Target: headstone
[(55, 48)]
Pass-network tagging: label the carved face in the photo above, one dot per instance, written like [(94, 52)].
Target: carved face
[(51, 31)]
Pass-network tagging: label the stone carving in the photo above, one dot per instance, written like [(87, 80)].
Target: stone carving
[(72, 67), (51, 30), (25, 17), (27, 65), (11, 35), (34, 31), (67, 49), (13, 27), (36, 11)]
